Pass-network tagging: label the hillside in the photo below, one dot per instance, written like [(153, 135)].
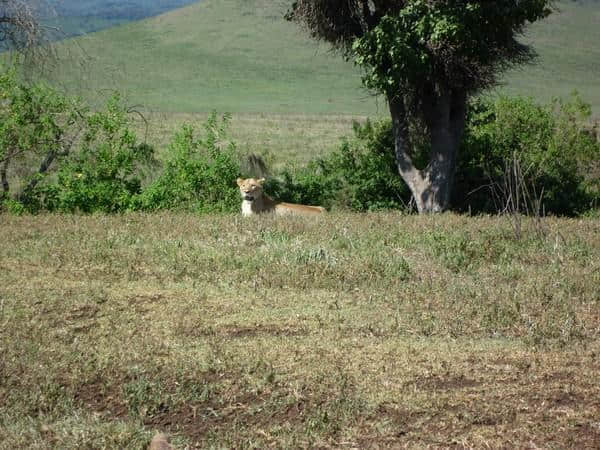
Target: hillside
[(241, 56), (233, 55), (569, 55)]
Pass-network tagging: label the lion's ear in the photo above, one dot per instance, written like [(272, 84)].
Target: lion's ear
[(239, 181), (261, 181)]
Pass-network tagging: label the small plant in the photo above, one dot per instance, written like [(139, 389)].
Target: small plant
[(458, 252), (145, 397)]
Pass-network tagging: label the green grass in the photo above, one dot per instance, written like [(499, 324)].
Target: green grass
[(226, 55), (348, 330), (239, 56)]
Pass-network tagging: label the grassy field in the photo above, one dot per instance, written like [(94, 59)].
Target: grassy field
[(350, 330), (283, 140), (242, 57), (376, 330)]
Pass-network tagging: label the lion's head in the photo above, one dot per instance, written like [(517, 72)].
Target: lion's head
[(250, 188)]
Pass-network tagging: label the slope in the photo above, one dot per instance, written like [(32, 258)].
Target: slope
[(241, 56), (233, 55)]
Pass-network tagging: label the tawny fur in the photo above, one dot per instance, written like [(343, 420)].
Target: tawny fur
[(160, 441), (255, 201)]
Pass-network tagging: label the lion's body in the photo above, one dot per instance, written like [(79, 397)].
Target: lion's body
[(255, 201)]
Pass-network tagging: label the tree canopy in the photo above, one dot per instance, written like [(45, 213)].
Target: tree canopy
[(407, 43)]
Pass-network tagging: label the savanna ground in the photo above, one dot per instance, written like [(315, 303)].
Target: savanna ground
[(349, 330)]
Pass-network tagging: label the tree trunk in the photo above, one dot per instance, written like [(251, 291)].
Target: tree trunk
[(44, 166), (4, 178), (444, 116)]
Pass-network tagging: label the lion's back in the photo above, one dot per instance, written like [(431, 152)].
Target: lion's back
[(293, 208)]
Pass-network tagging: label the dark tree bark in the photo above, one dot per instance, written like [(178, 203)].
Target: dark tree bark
[(4, 177), (44, 166), (21, 31)]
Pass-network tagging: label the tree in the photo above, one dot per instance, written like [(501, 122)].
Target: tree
[(426, 57), (19, 28), (22, 31)]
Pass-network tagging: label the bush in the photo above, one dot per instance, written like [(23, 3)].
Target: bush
[(92, 161), (105, 175), (361, 175), (199, 174), (555, 151), (550, 142)]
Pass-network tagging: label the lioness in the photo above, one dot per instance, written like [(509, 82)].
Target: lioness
[(255, 201)]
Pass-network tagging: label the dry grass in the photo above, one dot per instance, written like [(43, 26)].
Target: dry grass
[(284, 140), (377, 330)]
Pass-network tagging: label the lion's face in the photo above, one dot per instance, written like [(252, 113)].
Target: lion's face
[(250, 188)]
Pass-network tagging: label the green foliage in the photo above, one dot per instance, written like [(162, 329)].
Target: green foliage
[(551, 142), (105, 174), (13, 206), (361, 175), (200, 172), (457, 45), (554, 149), (93, 161), (37, 125)]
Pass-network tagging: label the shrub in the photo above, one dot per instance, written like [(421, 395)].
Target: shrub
[(554, 150), (105, 174), (550, 142), (199, 173), (37, 128), (361, 175), (92, 161)]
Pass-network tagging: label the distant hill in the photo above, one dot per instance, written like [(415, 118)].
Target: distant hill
[(242, 56), (229, 55), (76, 17), (125, 9)]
